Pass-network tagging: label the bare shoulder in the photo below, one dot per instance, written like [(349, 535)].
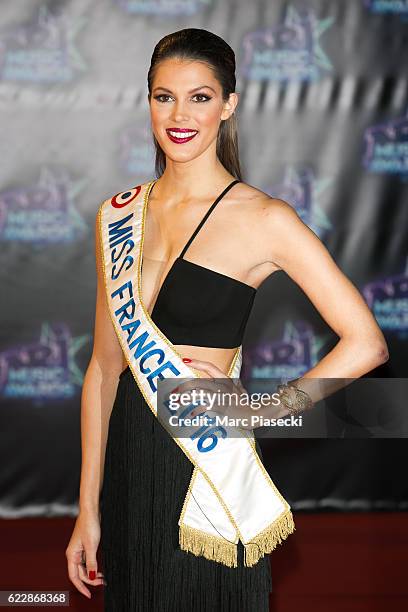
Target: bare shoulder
[(265, 211), (271, 227)]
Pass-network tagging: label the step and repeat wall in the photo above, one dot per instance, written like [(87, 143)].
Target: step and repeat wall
[(323, 124)]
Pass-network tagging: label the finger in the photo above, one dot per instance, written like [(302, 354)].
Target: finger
[(209, 387), (91, 562), (207, 366), (211, 369), (184, 385), (194, 414), (74, 577), (202, 409), (99, 579), (215, 385), (207, 403)]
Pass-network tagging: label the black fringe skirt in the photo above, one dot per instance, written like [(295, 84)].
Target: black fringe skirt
[(146, 477)]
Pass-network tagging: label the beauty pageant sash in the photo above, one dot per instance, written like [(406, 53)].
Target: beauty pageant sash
[(230, 496)]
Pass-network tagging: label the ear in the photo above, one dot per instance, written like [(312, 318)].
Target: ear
[(230, 106)]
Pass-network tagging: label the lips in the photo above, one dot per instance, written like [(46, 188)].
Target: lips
[(181, 139)]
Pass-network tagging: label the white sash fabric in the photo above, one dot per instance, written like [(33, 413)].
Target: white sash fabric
[(230, 496)]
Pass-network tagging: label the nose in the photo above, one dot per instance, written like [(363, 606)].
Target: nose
[(179, 112)]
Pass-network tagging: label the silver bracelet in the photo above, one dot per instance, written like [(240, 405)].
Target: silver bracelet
[(294, 399)]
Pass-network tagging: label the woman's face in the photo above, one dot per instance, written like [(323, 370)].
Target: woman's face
[(187, 96)]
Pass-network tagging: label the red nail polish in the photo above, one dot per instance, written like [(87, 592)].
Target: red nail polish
[(92, 574), (186, 360)]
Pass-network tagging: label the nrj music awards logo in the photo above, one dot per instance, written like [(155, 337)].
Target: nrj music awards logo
[(163, 7), (287, 357), (45, 369), (136, 150), (387, 6), (42, 51), (388, 300), (386, 147), (42, 213), (290, 50), (303, 191)]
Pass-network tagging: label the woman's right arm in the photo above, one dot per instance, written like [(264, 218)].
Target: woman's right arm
[(98, 395)]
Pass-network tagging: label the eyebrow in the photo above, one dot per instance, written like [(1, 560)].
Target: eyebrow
[(191, 91)]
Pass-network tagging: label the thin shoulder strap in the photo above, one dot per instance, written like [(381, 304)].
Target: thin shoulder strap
[(207, 214)]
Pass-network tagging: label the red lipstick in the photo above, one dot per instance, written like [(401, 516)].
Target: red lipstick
[(181, 139)]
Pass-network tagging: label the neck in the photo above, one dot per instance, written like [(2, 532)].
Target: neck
[(196, 179)]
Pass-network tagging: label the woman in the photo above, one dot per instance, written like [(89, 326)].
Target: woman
[(134, 476)]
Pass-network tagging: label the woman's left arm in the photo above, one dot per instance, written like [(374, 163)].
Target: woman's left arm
[(295, 248), (282, 238)]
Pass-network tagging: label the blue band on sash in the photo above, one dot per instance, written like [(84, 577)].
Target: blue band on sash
[(122, 234)]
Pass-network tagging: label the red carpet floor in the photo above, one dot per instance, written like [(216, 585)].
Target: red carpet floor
[(333, 562)]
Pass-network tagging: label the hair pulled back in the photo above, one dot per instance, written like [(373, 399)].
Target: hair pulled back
[(204, 46)]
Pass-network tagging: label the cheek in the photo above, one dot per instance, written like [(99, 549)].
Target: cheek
[(159, 113), (208, 117)]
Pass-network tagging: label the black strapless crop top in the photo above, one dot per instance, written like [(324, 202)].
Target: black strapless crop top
[(202, 307)]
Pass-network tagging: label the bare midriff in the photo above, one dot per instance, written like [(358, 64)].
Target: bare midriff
[(220, 357)]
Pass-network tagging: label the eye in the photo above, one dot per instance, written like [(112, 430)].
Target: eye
[(161, 96), (203, 96)]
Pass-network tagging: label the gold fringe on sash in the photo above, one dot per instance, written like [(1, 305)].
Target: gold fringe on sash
[(218, 549), (268, 539), (205, 545)]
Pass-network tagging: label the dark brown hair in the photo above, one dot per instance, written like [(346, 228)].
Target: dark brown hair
[(204, 46)]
